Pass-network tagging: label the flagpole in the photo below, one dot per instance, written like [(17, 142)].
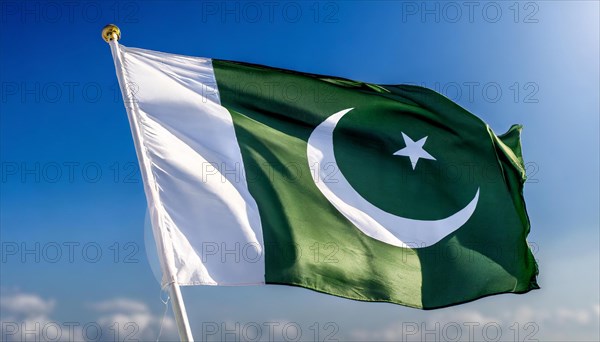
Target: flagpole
[(111, 34)]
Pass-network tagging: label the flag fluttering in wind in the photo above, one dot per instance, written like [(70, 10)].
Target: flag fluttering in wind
[(389, 193)]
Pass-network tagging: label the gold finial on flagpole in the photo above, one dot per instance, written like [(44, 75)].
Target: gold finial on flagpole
[(111, 32)]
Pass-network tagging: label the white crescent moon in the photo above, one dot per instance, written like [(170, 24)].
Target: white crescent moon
[(374, 222)]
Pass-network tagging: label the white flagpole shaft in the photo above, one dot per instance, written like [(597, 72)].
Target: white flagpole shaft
[(111, 35), (183, 325)]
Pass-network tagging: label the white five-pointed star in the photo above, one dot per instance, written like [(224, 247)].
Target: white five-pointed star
[(414, 150)]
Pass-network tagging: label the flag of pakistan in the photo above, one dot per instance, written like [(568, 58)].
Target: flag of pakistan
[(389, 193)]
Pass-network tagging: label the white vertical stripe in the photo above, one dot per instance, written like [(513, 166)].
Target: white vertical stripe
[(193, 171)]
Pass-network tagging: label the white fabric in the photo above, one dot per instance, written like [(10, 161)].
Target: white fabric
[(205, 221)]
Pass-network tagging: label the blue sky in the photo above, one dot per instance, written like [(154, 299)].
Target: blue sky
[(70, 183)]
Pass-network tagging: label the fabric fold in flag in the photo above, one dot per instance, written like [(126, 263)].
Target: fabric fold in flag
[(389, 193)]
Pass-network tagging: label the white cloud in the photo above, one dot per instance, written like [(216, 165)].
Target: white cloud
[(130, 319), (26, 304), (525, 314), (26, 315), (143, 326), (461, 315), (557, 316), (133, 320), (464, 324), (580, 316)]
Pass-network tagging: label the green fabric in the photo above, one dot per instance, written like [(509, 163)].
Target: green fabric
[(309, 243)]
